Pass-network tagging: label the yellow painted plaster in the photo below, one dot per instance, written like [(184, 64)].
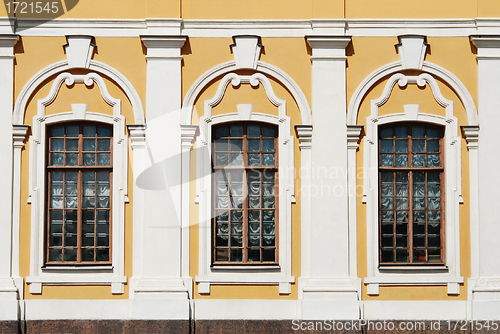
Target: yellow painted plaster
[(411, 9), (109, 9)]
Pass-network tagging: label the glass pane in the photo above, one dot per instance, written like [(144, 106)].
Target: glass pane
[(236, 159), (268, 202), (104, 159), (433, 146), (387, 241), (236, 145), (387, 256), (222, 189), (102, 254), (419, 228), (222, 202), (434, 228), (418, 145), (254, 202), (418, 203), (56, 220), (401, 216), (237, 202), (419, 190), (236, 189), (102, 240), (88, 159), (103, 189), (419, 241), (401, 146), (387, 160), (401, 190), (56, 144), (268, 145), (88, 177), (433, 203), (254, 215), (56, 202), (56, 159), (72, 159), (57, 131), (72, 145), (254, 228), (71, 202), (434, 255), (387, 216), (268, 216), (418, 177), (386, 133), (236, 216), (254, 159), (268, 189), (401, 241), (222, 145), (401, 203), (253, 145), (268, 240), (401, 160), (433, 190), (401, 131), (55, 240), (387, 203), (268, 176), (89, 144), (103, 202), (222, 254), (103, 132), (432, 133), (268, 229), (268, 255), (89, 131), (386, 145), (418, 160), (236, 255), (221, 159), (268, 159), (221, 216), (434, 216), (88, 255), (71, 189), (72, 131), (419, 255), (433, 177), (402, 255), (253, 240), (236, 241), (222, 131), (89, 202), (236, 130), (253, 255), (418, 132), (56, 188), (387, 177), (55, 254), (434, 241), (254, 189), (401, 177), (222, 240), (88, 239), (433, 160), (268, 131), (253, 131)]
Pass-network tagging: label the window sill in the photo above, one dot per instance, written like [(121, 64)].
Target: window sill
[(68, 276), (403, 276), (414, 269), (273, 278)]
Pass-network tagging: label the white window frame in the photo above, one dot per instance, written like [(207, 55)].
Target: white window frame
[(70, 275), (244, 274), (449, 273)]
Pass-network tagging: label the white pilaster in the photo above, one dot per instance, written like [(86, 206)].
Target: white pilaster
[(160, 276), (188, 133), (304, 134), (330, 288), (8, 290), (485, 286)]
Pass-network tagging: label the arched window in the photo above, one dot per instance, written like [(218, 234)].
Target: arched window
[(411, 194), (79, 189), (245, 205)]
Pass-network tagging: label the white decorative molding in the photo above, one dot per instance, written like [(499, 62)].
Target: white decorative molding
[(432, 69), (417, 310), (304, 134), (39, 275), (450, 274), (264, 28), (274, 275), (488, 46), (246, 51), (79, 51), (328, 47), (230, 66), (245, 111), (58, 67), (163, 46), (412, 50)]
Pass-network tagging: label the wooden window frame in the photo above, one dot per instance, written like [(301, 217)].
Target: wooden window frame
[(245, 168), (79, 168), (410, 169)]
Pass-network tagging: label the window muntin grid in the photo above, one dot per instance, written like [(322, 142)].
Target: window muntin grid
[(79, 175), (245, 194), (411, 196)]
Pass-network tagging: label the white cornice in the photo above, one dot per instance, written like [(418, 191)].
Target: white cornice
[(263, 28)]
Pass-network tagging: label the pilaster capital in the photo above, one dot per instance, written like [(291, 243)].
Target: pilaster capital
[(353, 136), (188, 132), (19, 133), (328, 47), (471, 134), (137, 135), (7, 43), (488, 46), (163, 47), (304, 134)]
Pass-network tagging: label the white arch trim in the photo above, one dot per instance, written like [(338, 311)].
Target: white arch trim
[(436, 70), (96, 66), (224, 68)]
